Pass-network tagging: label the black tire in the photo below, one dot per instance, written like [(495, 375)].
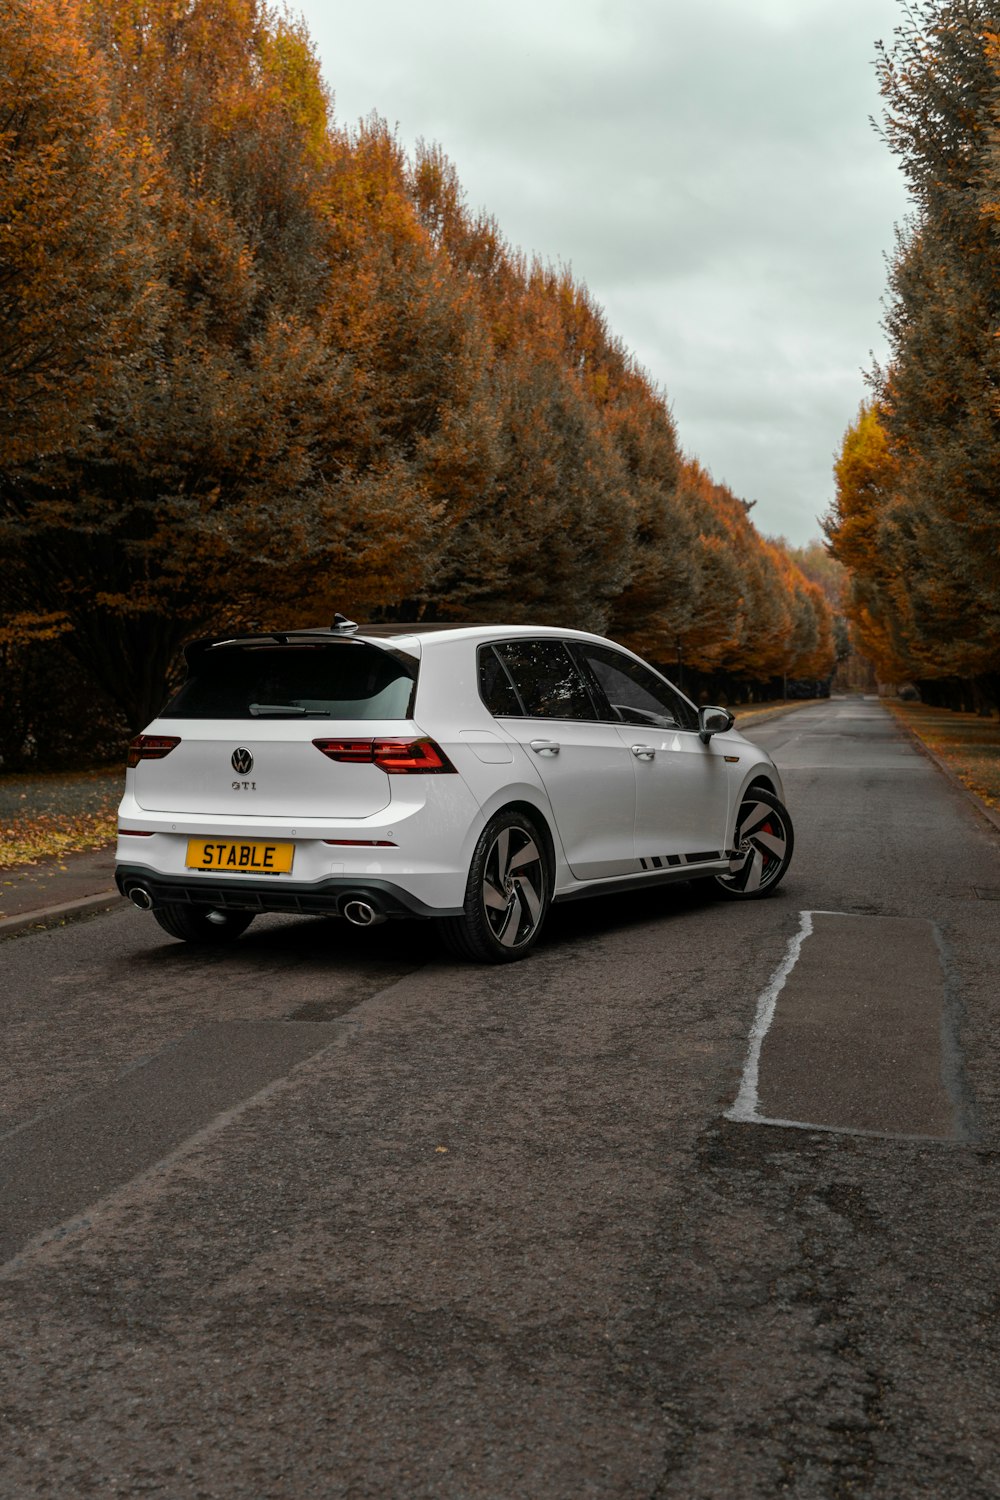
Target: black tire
[(766, 839), (507, 895), (203, 924)]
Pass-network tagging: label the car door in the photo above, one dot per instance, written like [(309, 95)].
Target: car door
[(546, 705), (683, 786)]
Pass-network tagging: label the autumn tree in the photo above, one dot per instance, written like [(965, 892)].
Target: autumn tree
[(867, 485), (205, 489), (256, 367), (937, 399), (718, 620), (551, 343), (78, 285), (820, 568), (655, 603), (77, 275), (550, 537), (414, 432), (818, 564), (756, 618)]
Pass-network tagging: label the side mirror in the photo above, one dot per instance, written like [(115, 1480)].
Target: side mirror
[(713, 720)]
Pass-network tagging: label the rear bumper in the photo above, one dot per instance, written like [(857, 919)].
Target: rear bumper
[(314, 898)]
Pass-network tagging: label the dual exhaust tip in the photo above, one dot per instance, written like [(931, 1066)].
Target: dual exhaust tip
[(360, 912), (355, 909)]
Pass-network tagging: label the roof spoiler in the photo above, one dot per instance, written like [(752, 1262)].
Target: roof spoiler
[(195, 650)]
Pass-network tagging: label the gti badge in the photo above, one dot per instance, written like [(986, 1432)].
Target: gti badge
[(242, 760)]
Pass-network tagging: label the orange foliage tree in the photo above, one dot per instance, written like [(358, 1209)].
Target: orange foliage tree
[(917, 517), (77, 273), (255, 367), (867, 480)]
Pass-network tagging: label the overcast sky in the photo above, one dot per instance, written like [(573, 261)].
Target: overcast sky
[(709, 171)]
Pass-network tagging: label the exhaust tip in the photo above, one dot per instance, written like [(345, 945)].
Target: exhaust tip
[(140, 897), (361, 913)]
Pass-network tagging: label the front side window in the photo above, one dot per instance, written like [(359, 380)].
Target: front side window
[(548, 681), (349, 680), (636, 693)]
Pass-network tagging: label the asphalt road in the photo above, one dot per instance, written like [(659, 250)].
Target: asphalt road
[(332, 1215)]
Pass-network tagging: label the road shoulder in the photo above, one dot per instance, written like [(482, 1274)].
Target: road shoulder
[(56, 890), (905, 722)]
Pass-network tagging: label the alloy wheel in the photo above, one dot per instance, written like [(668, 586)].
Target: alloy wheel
[(513, 887), (764, 847)]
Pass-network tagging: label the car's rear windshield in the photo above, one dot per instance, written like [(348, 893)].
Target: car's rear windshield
[(348, 680)]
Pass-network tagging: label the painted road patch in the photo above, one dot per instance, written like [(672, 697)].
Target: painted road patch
[(853, 1033)]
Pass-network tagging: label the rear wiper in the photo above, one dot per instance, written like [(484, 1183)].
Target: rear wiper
[(259, 710)]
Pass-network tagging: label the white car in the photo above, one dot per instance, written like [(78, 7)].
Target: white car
[(472, 774)]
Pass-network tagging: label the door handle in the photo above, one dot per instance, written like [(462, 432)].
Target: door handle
[(545, 747), (643, 752)]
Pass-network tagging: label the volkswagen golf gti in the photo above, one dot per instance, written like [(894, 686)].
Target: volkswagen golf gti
[(471, 774)]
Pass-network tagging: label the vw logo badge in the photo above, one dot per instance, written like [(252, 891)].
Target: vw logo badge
[(242, 761)]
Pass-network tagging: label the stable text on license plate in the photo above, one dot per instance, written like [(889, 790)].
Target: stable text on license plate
[(243, 856)]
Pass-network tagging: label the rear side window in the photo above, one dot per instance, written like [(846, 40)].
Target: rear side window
[(349, 680), (548, 681), (495, 687)]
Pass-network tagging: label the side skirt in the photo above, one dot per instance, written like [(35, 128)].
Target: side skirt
[(638, 882)]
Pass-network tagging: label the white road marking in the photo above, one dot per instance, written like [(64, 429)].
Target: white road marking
[(745, 1106)]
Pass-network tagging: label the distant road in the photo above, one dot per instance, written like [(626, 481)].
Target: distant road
[(330, 1213)]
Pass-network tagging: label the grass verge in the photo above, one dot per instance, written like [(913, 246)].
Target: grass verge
[(968, 745), (752, 713), (44, 816)]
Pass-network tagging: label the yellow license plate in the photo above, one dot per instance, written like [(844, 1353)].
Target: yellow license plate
[(240, 856)]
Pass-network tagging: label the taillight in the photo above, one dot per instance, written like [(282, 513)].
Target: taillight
[(396, 757), (401, 756), (150, 747), (349, 750)]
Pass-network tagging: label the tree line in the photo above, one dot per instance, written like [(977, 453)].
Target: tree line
[(256, 367), (918, 476)]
